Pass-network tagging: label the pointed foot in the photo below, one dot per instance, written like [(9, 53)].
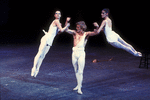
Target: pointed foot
[(80, 92), (76, 88), (138, 54)]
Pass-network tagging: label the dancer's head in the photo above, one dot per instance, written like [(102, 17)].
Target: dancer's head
[(105, 13), (81, 26), (57, 14)]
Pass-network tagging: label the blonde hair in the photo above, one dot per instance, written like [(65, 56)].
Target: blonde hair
[(82, 25)]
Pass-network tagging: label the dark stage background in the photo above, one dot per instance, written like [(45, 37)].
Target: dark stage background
[(21, 24), (22, 21)]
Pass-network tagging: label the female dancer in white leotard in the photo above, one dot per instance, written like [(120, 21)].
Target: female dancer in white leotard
[(113, 38), (46, 42)]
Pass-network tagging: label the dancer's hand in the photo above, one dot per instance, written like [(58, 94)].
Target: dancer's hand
[(68, 19), (95, 24), (95, 30), (68, 24)]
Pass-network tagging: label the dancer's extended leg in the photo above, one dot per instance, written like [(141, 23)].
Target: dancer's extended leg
[(125, 46), (121, 46), (128, 45), (125, 43), (74, 62), (43, 50), (75, 65), (78, 64), (81, 64)]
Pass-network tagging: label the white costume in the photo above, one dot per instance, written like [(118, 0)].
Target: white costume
[(78, 61), (46, 42), (115, 40), (53, 30), (111, 36)]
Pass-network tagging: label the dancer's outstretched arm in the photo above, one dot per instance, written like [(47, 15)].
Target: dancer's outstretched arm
[(69, 30), (57, 23), (95, 30), (101, 27), (67, 20), (92, 33)]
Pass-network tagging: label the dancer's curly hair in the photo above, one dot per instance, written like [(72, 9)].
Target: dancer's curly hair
[(82, 25)]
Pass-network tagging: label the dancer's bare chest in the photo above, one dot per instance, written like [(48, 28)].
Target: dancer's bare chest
[(77, 39)]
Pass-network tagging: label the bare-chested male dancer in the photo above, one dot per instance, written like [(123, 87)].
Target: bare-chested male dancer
[(46, 42), (78, 54)]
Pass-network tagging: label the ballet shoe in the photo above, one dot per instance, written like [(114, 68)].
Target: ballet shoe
[(79, 91), (32, 72), (138, 54), (76, 88), (32, 75)]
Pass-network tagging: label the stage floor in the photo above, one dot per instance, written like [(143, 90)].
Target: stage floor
[(119, 79)]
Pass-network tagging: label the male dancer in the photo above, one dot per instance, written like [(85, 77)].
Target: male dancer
[(46, 42), (78, 54)]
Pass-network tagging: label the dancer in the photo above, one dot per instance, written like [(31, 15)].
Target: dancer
[(78, 54), (113, 38), (46, 42)]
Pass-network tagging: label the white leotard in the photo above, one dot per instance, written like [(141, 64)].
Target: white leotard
[(53, 30), (82, 42), (111, 36), (81, 45)]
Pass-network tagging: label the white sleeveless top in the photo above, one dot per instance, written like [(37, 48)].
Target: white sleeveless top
[(53, 30), (111, 36), (82, 42)]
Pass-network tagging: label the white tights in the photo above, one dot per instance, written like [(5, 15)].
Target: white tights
[(125, 46), (43, 50), (78, 61)]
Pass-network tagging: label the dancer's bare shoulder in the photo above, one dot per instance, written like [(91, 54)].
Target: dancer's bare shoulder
[(56, 22)]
